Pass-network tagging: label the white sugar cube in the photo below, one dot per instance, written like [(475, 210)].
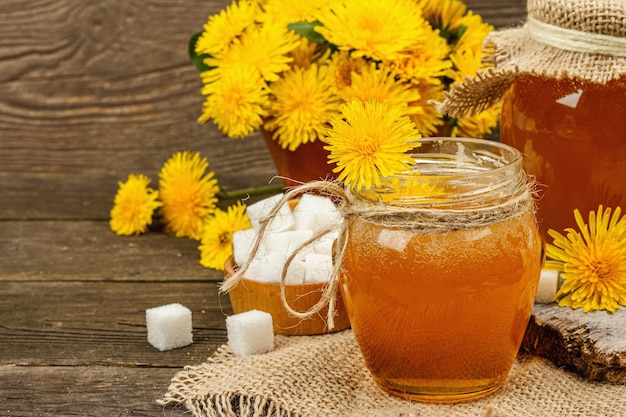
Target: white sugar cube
[(169, 326), (278, 247), (318, 268), (250, 333), (304, 220), (269, 269), (287, 242), (548, 286), (316, 212), (242, 245), (296, 270), (283, 242), (284, 219), (324, 245), (266, 269)]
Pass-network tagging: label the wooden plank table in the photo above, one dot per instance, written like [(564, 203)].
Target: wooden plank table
[(91, 91)]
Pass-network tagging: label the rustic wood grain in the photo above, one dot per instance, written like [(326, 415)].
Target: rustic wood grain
[(89, 391), (591, 344), (83, 323), (500, 14), (93, 91), (89, 251)]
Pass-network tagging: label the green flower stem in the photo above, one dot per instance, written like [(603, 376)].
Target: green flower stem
[(249, 192)]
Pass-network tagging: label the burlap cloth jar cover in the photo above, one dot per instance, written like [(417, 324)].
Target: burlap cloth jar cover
[(577, 39)]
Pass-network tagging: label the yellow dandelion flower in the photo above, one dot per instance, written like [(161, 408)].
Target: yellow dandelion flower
[(265, 48), (308, 53), (369, 141), (474, 34), (408, 189), (444, 15), (217, 235), (224, 27), (466, 64), (428, 120), (134, 206), (289, 11), (380, 84), (341, 67), (466, 57), (236, 102), (478, 125), (372, 28), (188, 194), (302, 106), (593, 262), (425, 60)]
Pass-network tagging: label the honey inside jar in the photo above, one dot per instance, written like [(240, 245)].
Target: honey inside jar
[(573, 138), (439, 287), (442, 313)]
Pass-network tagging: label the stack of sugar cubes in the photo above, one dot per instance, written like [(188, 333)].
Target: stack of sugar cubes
[(284, 234)]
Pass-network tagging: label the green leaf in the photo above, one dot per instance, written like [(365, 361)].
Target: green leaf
[(461, 31), (307, 29), (452, 121), (197, 60)]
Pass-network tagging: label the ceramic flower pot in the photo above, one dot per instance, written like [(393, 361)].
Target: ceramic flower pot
[(307, 163)]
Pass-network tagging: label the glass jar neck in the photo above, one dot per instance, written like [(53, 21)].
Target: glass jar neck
[(455, 173), (455, 184)]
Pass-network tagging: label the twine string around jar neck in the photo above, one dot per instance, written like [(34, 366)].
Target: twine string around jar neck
[(574, 40), (417, 218)]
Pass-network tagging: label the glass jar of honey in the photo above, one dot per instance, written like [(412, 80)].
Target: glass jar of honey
[(561, 79), (573, 137), (441, 269)]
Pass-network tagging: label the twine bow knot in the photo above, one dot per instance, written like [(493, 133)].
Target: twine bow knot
[(342, 198)]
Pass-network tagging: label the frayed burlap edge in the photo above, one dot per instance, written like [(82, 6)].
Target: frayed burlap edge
[(311, 376)]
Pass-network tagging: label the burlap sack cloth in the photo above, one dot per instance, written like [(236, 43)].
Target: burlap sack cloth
[(307, 376), (577, 39)]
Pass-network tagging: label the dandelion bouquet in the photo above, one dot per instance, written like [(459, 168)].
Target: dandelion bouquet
[(288, 66), (359, 75)]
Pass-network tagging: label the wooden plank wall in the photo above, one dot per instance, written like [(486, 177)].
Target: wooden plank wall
[(91, 91)]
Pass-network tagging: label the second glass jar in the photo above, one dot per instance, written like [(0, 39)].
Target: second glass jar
[(573, 137)]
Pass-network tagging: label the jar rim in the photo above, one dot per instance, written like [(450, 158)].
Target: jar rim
[(455, 172), (513, 156)]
